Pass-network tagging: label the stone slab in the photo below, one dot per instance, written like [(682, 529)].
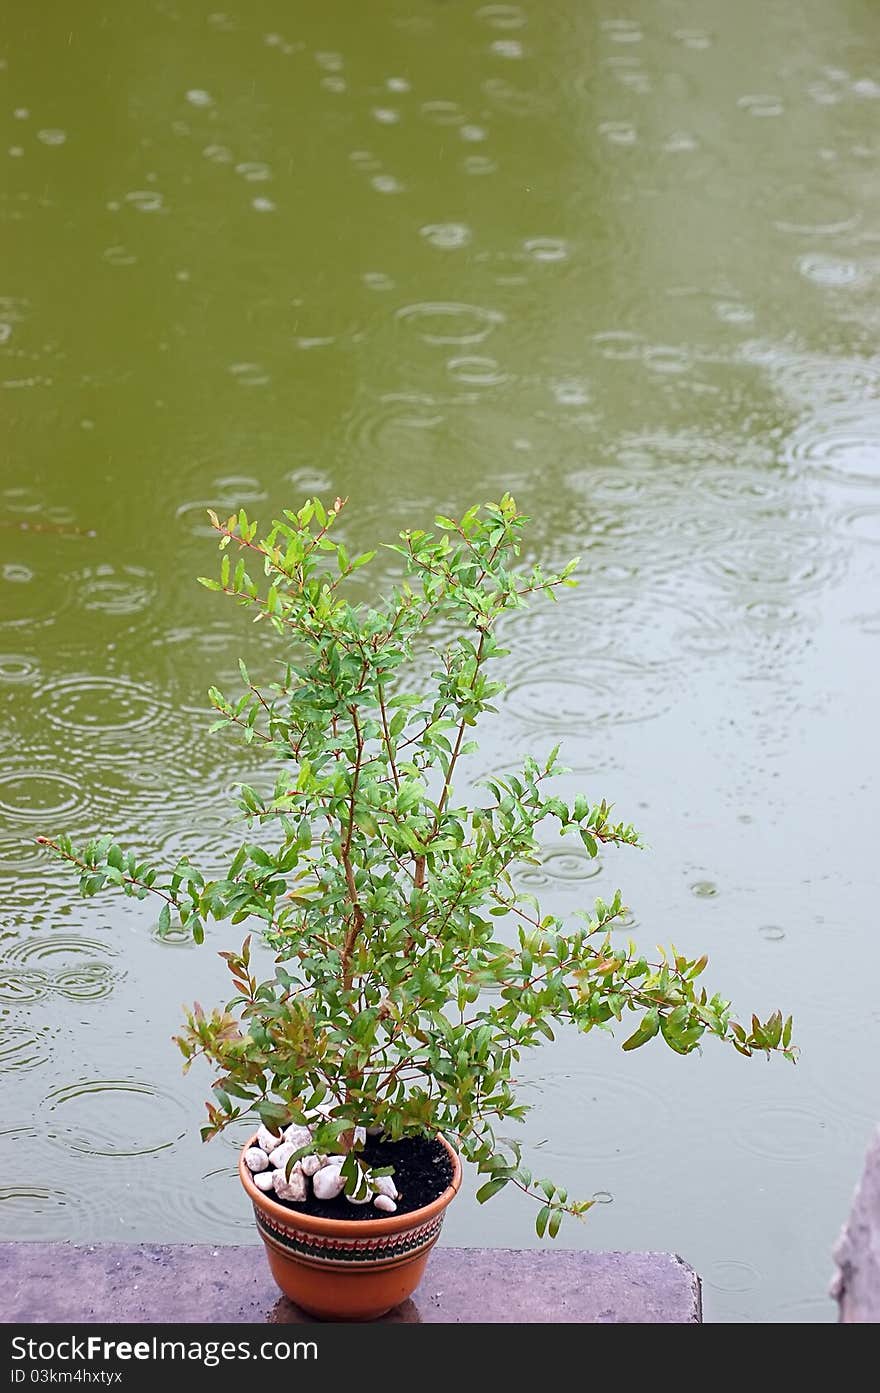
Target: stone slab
[(856, 1284), (69, 1283)]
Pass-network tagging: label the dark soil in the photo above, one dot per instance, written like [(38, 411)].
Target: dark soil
[(422, 1171)]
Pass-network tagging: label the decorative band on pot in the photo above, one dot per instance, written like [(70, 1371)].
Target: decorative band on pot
[(383, 1250)]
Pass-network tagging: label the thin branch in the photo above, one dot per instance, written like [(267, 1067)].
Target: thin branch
[(357, 921), (459, 740), (85, 867), (384, 712)]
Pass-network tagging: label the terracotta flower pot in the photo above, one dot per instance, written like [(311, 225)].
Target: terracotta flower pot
[(341, 1269)]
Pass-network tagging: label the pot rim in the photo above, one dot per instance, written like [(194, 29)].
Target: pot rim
[(353, 1228)]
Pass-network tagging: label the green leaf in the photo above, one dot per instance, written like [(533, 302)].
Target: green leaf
[(589, 842), (646, 1031), (490, 1188)]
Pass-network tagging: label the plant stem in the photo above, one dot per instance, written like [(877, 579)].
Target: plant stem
[(384, 712), (459, 740), (357, 919)]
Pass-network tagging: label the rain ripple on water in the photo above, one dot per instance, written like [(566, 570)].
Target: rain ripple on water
[(450, 322), (107, 711), (69, 965), (601, 1100), (113, 1117), (844, 444), (23, 1047)]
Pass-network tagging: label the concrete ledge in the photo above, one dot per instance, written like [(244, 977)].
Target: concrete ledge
[(71, 1284)]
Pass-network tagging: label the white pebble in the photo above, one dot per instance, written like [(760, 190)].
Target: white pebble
[(384, 1185), (256, 1159), (385, 1203), (266, 1140), (282, 1154), (312, 1164), (265, 1180), (292, 1187), (327, 1183), (360, 1136), (298, 1137)]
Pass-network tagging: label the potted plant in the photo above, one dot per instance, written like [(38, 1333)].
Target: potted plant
[(410, 972)]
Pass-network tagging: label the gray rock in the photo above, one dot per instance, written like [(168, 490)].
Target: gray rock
[(256, 1159), (384, 1185), (856, 1284)]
